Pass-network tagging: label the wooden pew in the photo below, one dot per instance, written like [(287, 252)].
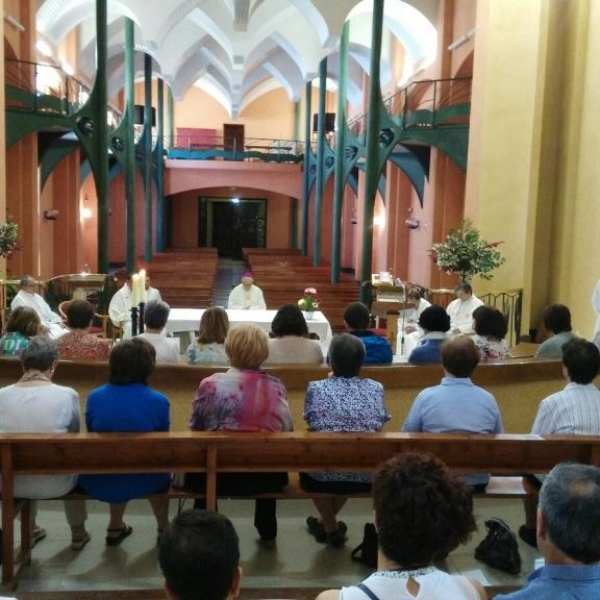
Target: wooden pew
[(226, 452)]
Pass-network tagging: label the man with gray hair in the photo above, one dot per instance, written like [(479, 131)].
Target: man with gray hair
[(568, 536), (27, 296)]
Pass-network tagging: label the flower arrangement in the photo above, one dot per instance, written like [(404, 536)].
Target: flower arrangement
[(8, 238), (309, 302), (466, 253)]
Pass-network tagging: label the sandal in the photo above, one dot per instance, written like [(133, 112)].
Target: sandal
[(122, 533)]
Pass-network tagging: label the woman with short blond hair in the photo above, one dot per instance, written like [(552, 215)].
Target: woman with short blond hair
[(244, 398), (209, 345)]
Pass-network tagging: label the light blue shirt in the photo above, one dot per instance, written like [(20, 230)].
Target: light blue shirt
[(560, 582), (456, 405)]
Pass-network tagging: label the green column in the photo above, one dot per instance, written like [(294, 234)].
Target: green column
[(372, 170), (320, 163), (101, 139), (296, 120), (294, 236), (306, 170), (129, 148), (340, 143), (148, 231), (160, 168), (171, 113)]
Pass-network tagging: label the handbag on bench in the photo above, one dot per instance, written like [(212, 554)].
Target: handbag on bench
[(499, 549)]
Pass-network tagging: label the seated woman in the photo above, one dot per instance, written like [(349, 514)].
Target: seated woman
[(127, 404), (244, 398), (36, 405), (557, 319), (422, 513), (209, 346), (23, 324), (156, 315), (79, 343), (342, 403), (291, 342), (435, 323), (490, 329)]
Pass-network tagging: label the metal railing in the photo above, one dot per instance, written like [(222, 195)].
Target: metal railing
[(47, 89), (426, 103)]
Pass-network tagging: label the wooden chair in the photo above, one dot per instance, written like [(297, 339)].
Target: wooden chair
[(100, 331)]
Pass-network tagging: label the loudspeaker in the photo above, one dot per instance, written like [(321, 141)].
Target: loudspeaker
[(329, 122), (138, 115)]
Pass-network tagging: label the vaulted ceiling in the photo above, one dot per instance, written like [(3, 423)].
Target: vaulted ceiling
[(237, 50)]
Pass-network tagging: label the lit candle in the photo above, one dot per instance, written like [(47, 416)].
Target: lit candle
[(135, 289), (142, 274)]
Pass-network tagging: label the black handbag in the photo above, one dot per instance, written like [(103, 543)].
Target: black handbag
[(499, 549), (366, 551)]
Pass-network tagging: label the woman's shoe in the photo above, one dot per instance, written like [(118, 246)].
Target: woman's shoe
[(315, 528), (337, 538), (122, 533), (80, 540)]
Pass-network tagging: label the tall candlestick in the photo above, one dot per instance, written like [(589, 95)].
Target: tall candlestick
[(142, 275), (135, 290)]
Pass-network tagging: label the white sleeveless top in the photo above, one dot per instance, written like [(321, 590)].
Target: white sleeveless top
[(434, 584)]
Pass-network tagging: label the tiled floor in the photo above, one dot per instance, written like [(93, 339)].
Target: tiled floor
[(297, 562)]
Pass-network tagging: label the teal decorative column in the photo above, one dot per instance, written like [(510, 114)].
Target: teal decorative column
[(340, 157), (294, 236), (129, 158), (148, 231), (306, 169), (171, 113), (160, 168), (372, 163), (99, 108), (320, 183)]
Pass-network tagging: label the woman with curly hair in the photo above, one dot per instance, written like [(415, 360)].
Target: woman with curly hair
[(490, 329), (422, 512)]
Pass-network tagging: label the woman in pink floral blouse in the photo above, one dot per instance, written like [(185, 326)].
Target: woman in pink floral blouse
[(244, 398)]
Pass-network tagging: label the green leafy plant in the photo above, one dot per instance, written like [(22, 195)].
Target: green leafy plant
[(8, 238), (464, 252)]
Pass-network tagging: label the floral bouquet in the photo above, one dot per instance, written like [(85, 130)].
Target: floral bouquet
[(8, 238), (309, 302)]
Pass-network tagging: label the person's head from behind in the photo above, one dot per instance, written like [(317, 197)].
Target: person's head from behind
[(460, 356), (414, 294), (346, 355), (80, 314), (289, 321), (569, 512), (489, 322), (581, 360), (557, 318), (247, 346), (131, 361), (24, 320), (357, 316), (434, 318), (463, 291), (422, 511), (41, 354), (247, 279), (199, 556), (214, 325), (28, 284), (156, 315)]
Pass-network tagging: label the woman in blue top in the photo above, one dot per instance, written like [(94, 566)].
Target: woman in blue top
[(127, 404), (342, 403)]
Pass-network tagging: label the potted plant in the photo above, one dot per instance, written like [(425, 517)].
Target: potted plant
[(8, 238), (465, 252), (309, 302)]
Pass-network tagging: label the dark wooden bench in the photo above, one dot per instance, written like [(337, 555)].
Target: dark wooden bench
[(223, 452)]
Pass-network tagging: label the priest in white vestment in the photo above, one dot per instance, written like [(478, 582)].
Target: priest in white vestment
[(461, 310), (119, 309), (246, 295), (27, 296)]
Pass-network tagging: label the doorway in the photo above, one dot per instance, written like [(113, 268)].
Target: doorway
[(230, 224)]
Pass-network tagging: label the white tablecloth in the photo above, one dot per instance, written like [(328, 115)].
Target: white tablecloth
[(188, 319)]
